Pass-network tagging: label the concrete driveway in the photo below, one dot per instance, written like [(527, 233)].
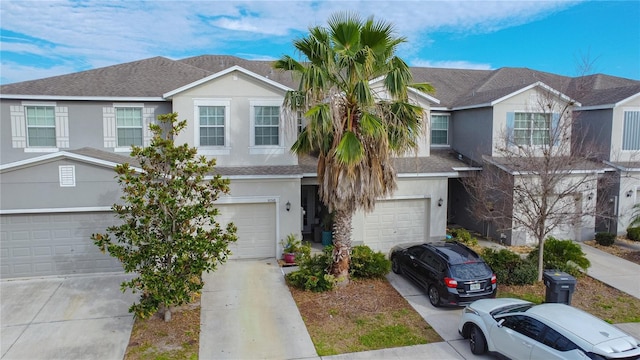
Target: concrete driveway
[(443, 320), (78, 317)]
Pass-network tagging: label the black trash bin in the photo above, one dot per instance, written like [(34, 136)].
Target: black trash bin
[(560, 286)]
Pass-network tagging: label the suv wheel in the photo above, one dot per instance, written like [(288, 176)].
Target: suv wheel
[(395, 266), (477, 342), (434, 297)]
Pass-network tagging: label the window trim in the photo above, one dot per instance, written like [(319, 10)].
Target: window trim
[(448, 116), (265, 149), (52, 126), (122, 148), (531, 129), (622, 133), (212, 150), (19, 134)]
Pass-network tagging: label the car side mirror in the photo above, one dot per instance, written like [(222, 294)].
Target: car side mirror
[(500, 323)]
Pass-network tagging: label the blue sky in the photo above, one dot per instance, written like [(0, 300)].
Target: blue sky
[(48, 37)]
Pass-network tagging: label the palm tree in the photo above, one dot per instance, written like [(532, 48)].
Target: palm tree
[(352, 129), (635, 217)]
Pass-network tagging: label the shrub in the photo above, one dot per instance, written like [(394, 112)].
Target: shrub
[(463, 236), (365, 263), (633, 233), (312, 272), (605, 239), (564, 255), (509, 267)]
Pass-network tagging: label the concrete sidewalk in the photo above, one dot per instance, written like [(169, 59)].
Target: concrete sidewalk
[(78, 317), (614, 271)]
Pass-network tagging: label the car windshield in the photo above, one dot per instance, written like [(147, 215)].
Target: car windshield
[(470, 270), (511, 309)]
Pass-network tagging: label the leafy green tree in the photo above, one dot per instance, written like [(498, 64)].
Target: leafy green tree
[(352, 130), (168, 235), (635, 217)]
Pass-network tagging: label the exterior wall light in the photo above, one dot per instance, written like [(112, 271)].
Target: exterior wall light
[(590, 196), (629, 193), (440, 202), (287, 206)]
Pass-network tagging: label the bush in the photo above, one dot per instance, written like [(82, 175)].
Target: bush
[(605, 239), (633, 233), (509, 267), (312, 272), (365, 263), (463, 236), (564, 255)]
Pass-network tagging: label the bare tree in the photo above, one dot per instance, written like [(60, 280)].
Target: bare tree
[(541, 180)]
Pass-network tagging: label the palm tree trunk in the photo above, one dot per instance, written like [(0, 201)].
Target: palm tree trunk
[(341, 246)]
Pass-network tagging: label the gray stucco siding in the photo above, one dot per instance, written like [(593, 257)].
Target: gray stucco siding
[(85, 125), (38, 187), (471, 132), (595, 127)]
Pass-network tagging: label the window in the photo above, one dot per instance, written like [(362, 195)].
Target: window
[(439, 129), (525, 325), (267, 125), (531, 129), (631, 130), (212, 120), (41, 126), (129, 126), (555, 340)]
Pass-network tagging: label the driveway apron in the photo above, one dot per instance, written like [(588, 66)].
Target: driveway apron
[(79, 317), (249, 313)]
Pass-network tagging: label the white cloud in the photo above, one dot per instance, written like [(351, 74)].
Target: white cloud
[(94, 33), (455, 64), (12, 72)]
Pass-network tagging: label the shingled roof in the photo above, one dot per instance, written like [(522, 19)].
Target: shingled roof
[(455, 88)]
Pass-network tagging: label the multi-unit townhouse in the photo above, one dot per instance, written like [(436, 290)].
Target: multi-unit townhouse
[(62, 136)]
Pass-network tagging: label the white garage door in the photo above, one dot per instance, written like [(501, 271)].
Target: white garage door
[(53, 244), (396, 221), (256, 225)]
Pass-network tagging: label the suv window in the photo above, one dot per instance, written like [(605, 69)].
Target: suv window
[(525, 325), (470, 270), (432, 260), (416, 251), (555, 340)]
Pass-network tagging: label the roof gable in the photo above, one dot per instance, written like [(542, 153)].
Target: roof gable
[(86, 155), (219, 74)]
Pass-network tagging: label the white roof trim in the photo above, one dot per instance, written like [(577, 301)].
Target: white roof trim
[(60, 154), (222, 73), (536, 84), (415, 91), (627, 99), (55, 210), (80, 98)]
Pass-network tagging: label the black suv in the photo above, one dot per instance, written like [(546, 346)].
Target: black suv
[(450, 272)]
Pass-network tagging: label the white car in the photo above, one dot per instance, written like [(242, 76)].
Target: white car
[(521, 330)]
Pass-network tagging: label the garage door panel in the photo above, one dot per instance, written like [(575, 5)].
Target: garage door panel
[(396, 221), (54, 244), (256, 225)]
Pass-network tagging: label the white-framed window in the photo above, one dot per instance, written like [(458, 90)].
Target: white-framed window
[(266, 129), (39, 126), (126, 124), (129, 126), (631, 130), (439, 129), (531, 128), (212, 126)]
